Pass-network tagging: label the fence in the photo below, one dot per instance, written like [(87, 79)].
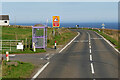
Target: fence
[(9, 45)]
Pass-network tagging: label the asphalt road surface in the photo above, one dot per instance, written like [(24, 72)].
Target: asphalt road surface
[(89, 56)]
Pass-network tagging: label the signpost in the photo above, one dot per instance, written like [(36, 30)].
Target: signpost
[(103, 27), (55, 23), (20, 46)]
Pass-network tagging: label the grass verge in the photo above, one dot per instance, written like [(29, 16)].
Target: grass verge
[(112, 40), (17, 71)]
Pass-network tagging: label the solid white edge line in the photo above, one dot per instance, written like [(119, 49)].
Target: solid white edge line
[(69, 42), (90, 57), (108, 42), (40, 70), (92, 68)]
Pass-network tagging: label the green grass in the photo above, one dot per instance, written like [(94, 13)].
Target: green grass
[(26, 51), (20, 72), (112, 40), (11, 33), (62, 35)]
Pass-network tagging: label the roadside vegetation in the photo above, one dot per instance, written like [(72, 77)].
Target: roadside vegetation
[(110, 34), (15, 70), (62, 35)]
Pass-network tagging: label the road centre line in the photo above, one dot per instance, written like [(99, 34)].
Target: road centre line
[(69, 42), (90, 46), (90, 50), (92, 68), (40, 70), (91, 57)]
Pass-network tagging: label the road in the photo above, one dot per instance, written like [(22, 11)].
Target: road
[(89, 57)]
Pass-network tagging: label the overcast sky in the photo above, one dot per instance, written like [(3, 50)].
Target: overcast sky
[(39, 12)]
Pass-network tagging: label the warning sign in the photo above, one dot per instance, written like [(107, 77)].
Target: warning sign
[(56, 21)]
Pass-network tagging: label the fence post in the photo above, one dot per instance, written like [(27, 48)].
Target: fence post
[(10, 45), (26, 43), (23, 44), (29, 44)]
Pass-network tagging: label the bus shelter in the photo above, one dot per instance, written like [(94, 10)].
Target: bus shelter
[(39, 36)]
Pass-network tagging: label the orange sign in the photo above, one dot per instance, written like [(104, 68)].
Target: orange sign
[(56, 21)]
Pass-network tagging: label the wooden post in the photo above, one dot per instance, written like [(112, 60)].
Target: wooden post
[(10, 45), (26, 43), (29, 44), (23, 44)]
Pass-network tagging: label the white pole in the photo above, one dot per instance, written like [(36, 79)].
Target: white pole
[(34, 47), (55, 45), (7, 55)]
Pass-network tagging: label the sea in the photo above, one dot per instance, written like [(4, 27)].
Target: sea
[(72, 25)]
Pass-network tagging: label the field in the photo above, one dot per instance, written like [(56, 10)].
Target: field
[(62, 35)]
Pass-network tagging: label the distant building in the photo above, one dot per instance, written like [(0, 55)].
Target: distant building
[(4, 20)]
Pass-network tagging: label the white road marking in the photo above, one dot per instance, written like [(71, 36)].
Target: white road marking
[(108, 42), (84, 41), (96, 38), (90, 57), (38, 73), (69, 42), (12, 55), (76, 41), (90, 50), (41, 58), (92, 68), (89, 43), (47, 54), (90, 46)]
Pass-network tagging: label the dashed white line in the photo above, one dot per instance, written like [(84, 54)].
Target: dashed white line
[(92, 68), (90, 46), (90, 50), (90, 57), (35, 76), (89, 43)]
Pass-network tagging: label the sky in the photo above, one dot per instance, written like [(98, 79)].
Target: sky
[(69, 12)]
